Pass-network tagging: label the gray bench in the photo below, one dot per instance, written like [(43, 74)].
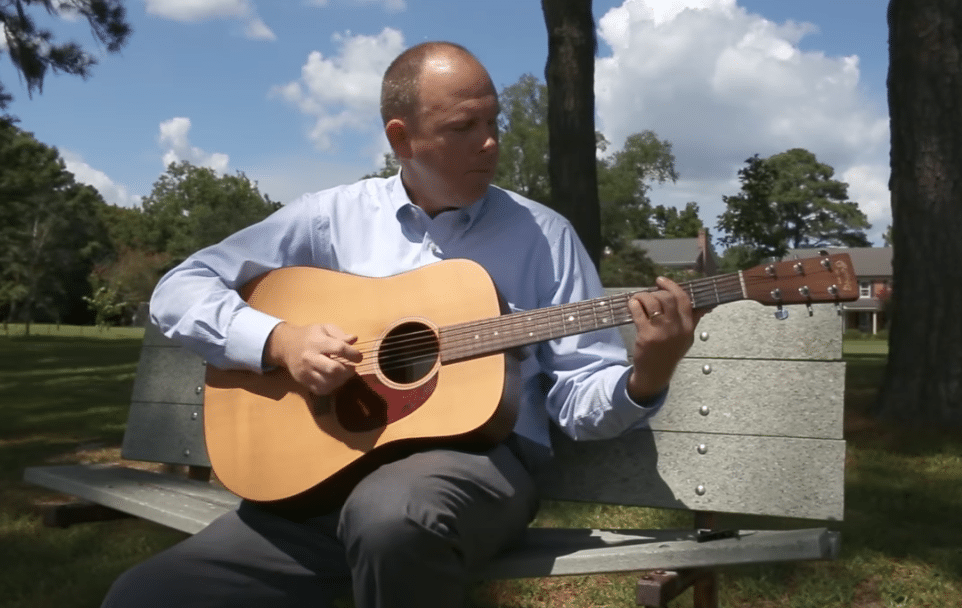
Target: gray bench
[(752, 427)]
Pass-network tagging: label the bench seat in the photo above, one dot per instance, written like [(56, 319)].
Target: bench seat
[(189, 505)]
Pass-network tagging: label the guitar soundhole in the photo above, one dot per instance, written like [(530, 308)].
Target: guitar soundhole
[(408, 353)]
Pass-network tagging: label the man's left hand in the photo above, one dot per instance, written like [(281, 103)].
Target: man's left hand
[(665, 330)]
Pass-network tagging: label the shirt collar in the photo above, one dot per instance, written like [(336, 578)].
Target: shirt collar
[(404, 207)]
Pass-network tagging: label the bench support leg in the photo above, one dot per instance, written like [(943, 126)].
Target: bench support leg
[(658, 587), (65, 514), (706, 587)]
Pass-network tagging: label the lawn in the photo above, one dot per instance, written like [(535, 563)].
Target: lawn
[(63, 398)]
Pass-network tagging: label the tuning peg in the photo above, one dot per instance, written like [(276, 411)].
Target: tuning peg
[(780, 313)]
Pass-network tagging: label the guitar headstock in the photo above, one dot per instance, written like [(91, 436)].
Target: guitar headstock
[(826, 278)]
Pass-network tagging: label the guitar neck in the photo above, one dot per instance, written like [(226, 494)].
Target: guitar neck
[(499, 334)]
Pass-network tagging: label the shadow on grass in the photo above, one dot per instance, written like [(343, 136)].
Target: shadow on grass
[(64, 389)]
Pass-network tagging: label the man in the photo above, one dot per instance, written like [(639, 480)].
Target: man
[(412, 532)]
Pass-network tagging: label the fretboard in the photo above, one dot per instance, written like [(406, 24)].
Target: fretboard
[(499, 334)]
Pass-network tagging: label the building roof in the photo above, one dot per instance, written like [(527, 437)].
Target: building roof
[(670, 252), (869, 262)]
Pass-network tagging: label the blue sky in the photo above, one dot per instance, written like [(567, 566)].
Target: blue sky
[(286, 91)]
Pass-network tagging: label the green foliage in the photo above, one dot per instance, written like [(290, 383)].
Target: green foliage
[(673, 224), (523, 124), (131, 274), (790, 200), (34, 51), (627, 267), (192, 207), (390, 168), (624, 180), (51, 234), (737, 257), (106, 305)]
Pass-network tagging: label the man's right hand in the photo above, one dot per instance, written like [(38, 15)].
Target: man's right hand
[(321, 357)]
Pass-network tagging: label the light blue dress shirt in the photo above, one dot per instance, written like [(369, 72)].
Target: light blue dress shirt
[(371, 228)]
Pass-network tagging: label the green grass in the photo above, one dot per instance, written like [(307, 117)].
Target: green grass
[(64, 396)]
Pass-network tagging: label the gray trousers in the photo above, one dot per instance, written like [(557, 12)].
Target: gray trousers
[(410, 534)]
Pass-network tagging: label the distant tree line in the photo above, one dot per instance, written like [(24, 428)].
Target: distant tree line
[(66, 256)]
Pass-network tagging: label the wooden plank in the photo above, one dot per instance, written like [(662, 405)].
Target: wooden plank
[(561, 552), (786, 477), (179, 503)]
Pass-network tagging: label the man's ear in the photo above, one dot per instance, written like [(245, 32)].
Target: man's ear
[(397, 135)]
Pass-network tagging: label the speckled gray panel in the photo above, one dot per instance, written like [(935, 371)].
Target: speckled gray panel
[(749, 397), (169, 375), (749, 330), (165, 422), (166, 432), (738, 474)]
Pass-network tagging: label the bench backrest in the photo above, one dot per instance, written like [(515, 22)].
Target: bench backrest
[(753, 422)]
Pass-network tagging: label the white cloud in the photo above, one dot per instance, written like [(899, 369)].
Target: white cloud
[(722, 84), (869, 186), (113, 193), (342, 93), (205, 10), (174, 137)]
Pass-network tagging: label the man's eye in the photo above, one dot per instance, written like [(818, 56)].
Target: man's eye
[(463, 126)]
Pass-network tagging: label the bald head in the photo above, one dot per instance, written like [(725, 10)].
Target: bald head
[(402, 80)]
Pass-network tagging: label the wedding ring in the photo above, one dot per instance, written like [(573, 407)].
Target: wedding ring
[(654, 314)]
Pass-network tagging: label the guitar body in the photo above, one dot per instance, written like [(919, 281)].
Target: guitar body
[(270, 440)]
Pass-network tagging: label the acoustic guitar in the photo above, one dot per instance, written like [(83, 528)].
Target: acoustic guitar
[(438, 368)]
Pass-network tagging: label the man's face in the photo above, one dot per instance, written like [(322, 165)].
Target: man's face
[(454, 136)]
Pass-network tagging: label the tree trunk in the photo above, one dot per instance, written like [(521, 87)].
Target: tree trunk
[(570, 75), (923, 381)]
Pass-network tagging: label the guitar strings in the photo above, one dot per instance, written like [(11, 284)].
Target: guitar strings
[(534, 320), (422, 346)]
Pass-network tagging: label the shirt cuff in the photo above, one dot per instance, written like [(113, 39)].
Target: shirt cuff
[(651, 403), (247, 336)]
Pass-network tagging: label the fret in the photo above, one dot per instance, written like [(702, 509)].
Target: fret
[(489, 336)]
